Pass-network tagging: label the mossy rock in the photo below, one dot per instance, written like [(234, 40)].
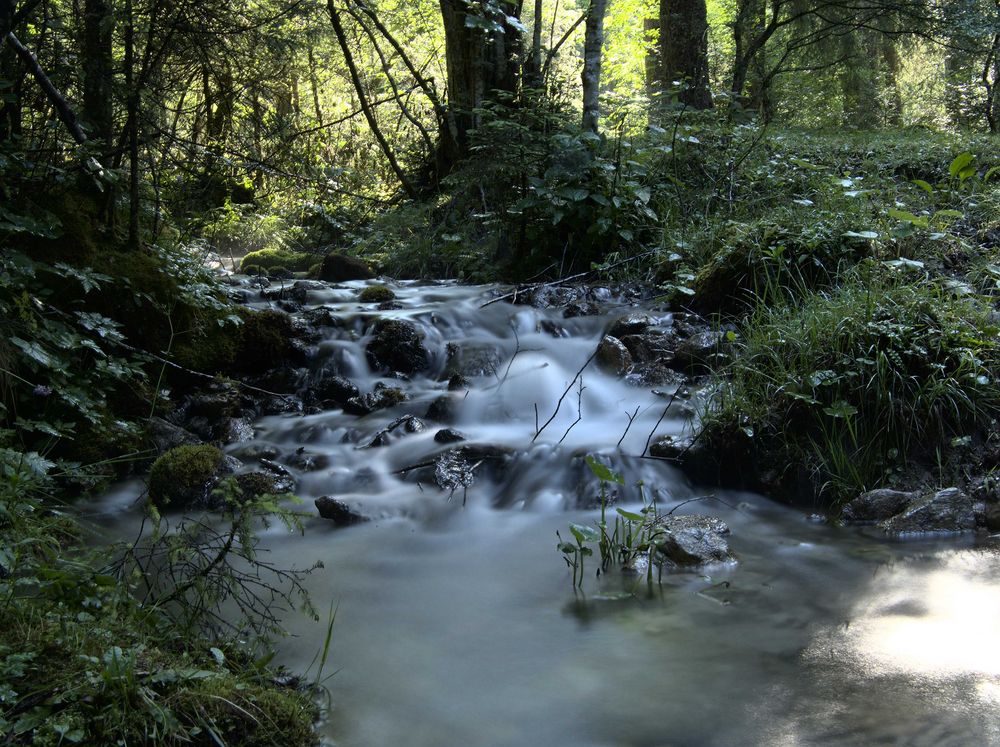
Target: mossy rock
[(183, 477), (267, 260), (314, 271), (376, 294), (266, 340), (340, 268)]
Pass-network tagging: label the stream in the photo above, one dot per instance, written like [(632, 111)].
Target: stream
[(457, 621)]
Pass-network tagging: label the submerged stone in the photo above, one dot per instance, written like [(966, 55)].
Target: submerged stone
[(695, 540)]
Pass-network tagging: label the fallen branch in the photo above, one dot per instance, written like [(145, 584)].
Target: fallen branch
[(538, 431)]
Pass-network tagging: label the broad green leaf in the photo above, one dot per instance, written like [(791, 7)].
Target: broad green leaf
[(960, 163), (924, 186), (603, 472)]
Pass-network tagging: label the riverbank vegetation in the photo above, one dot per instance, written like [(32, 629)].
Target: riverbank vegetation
[(819, 182)]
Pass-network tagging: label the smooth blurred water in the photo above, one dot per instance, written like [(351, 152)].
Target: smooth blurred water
[(458, 625)]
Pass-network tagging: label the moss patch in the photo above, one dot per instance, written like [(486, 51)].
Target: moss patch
[(183, 476), (376, 294), (268, 259)]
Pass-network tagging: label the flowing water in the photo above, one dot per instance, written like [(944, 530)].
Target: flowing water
[(458, 624)]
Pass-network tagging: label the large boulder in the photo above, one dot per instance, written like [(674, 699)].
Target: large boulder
[(949, 510), (335, 389), (396, 345), (340, 268), (694, 540), (877, 505)]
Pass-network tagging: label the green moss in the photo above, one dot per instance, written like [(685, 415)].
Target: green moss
[(279, 273), (314, 271), (376, 294), (181, 476), (267, 259), (339, 268)]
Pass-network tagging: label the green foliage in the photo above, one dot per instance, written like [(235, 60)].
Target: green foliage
[(183, 476), (99, 653), (850, 384)]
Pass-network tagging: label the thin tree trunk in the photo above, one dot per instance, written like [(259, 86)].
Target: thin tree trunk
[(338, 30), (63, 110), (133, 128), (98, 71), (593, 49)]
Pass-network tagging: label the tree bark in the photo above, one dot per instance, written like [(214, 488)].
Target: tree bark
[(684, 50), (98, 71), (63, 110), (593, 50), (481, 60)]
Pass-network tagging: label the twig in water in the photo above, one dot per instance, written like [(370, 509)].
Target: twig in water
[(579, 410), (631, 419), (662, 416), (538, 431)]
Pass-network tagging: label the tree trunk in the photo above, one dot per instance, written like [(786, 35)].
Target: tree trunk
[(858, 81), (894, 100), (684, 50), (98, 71), (593, 48), (481, 56)]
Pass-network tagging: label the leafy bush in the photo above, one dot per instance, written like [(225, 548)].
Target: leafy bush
[(850, 383)]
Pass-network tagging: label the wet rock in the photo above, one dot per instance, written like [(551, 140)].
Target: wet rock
[(549, 296), (457, 383), (452, 471), (297, 293), (405, 423), (340, 268), (379, 398), (444, 409), (389, 306), (254, 452), (877, 505), (306, 461), (335, 389), (165, 436), (397, 346), (321, 317), (695, 540), (631, 324), (216, 403), (700, 352), (472, 360), (552, 329), (448, 436), (654, 374), (237, 431), (582, 308), (339, 512), (992, 517), (699, 462), (651, 346), (613, 357), (949, 510)]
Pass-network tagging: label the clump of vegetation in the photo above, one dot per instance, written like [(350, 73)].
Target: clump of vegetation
[(184, 476), (376, 294), (134, 650), (846, 387)]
